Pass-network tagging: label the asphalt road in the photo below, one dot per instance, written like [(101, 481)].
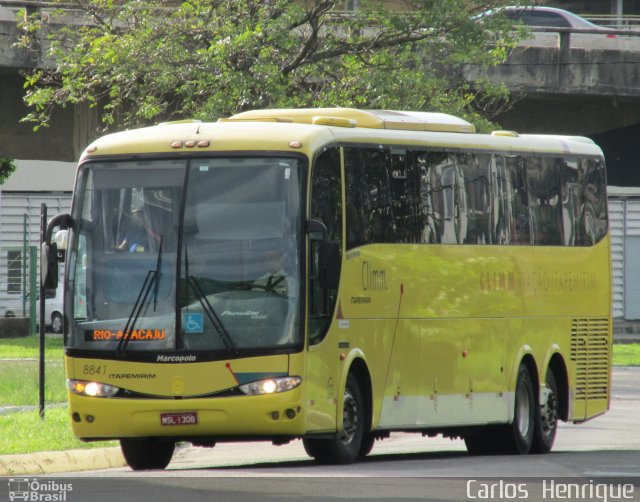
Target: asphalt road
[(596, 460)]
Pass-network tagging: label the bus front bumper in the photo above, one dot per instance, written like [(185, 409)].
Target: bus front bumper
[(273, 415)]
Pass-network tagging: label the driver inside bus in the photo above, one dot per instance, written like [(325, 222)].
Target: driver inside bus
[(136, 239), (278, 278)]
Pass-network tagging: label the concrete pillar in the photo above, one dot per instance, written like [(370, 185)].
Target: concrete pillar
[(70, 131)]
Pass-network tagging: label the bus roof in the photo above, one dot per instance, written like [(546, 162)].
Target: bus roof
[(370, 119), (306, 130)]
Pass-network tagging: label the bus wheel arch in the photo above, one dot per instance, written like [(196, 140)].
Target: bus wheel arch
[(352, 438), (343, 446), (516, 436)]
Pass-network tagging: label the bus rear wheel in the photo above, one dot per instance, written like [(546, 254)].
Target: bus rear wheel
[(516, 437), (519, 434), (147, 454), (344, 447), (546, 424)]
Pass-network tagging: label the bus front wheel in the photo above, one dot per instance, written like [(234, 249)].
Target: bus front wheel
[(343, 447), (147, 454)]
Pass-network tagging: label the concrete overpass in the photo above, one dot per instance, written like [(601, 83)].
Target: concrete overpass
[(561, 88), (565, 89), (71, 129)]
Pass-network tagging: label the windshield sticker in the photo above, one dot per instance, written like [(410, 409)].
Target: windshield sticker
[(193, 322), (251, 314), (105, 335)]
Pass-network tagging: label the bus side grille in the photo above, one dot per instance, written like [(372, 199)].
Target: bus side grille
[(590, 356)]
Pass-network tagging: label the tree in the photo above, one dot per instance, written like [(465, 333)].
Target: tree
[(144, 61), (7, 166)]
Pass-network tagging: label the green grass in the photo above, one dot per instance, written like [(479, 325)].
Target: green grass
[(26, 432), (626, 354), (29, 347), (19, 383)]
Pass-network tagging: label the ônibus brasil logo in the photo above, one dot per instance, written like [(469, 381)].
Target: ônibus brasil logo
[(38, 491)]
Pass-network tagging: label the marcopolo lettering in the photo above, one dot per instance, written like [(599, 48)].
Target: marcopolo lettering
[(176, 359)]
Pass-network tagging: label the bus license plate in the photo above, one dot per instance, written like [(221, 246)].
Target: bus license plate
[(187, 418)]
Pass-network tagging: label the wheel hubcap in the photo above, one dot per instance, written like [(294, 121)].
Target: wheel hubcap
[(524, 410), (350, 418), (549, 412)]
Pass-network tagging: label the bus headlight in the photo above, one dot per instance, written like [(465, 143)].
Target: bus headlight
[(270, 385), (92, 389)]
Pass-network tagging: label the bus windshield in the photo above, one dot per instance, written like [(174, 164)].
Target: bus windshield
[(159, 267)]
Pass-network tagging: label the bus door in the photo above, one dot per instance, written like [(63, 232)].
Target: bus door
[(324, 265)]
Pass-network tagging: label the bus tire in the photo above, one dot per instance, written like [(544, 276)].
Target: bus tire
[(146, 454), (519, 434), (516, 437), (546, 424), (344, 447), (366, 446)]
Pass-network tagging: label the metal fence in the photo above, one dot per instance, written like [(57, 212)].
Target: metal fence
[(19, 245), (18, 280)]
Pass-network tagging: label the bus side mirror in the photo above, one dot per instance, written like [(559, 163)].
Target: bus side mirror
[(329, 263), (328, 254), (317, 230), (61, 240), (49, 254), (49, 266)]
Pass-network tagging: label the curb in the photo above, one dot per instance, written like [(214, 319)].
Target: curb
[(49, 462)]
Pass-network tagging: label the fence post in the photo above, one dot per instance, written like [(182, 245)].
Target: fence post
[(25, 230), (33, 290), (43, 230)]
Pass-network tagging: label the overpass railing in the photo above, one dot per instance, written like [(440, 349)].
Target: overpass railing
[(583, 38)]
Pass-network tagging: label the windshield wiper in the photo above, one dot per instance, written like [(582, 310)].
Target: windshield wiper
[(213, 317), (158, 274), (152, 280)]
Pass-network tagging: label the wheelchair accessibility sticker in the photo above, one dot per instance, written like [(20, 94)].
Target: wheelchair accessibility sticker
[(193, 322)]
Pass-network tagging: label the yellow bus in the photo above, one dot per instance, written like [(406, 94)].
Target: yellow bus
[(334, 275)]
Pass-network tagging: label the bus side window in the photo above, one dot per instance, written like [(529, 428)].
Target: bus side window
[(357, 214), (543, 182), (517, 188), (570, 200), (592, 224), (326, 206), (476, 216), (432, 201)]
